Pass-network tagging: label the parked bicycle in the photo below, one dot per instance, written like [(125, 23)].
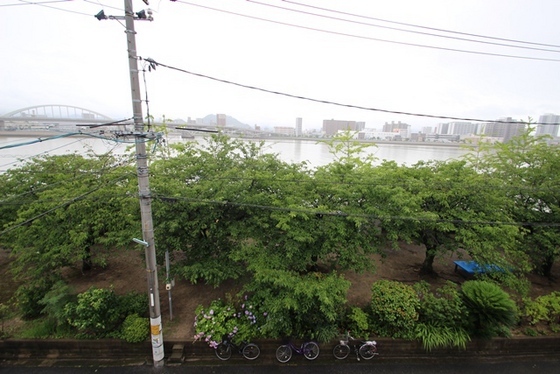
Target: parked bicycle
[(310, 350), (366, 349), (249, 350)]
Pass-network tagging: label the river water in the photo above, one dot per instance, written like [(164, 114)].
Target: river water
[(14, 149)]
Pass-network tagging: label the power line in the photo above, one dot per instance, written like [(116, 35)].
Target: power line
[(38, 154), (104, 5), (69, 202), (40, 140), (23, 2), (371, 38), (43, 4), (424, 27), (46, 187), (336, 103), (339, 213), (404, 30)]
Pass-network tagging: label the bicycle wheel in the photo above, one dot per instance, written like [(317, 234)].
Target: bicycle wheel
[(251, 351), (341, 351), (284, 353), (223, 351), (367, 351), (311, 350)]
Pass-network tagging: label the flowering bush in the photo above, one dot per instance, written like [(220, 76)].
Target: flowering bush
[(222, 319)]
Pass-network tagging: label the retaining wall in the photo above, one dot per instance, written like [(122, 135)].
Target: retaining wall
[(105, 352)]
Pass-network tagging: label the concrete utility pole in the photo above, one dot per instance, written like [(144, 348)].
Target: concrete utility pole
[(144, 190)]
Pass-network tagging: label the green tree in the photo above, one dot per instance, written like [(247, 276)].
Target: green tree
[(461, 209), (529, 171), (67, 206), (213, 200)]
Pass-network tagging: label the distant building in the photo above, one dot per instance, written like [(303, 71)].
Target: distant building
[(380, 135), (462, 128), (427, 130), (221, 120), (332, 126), (285, 130), (419, 136), (299, 126), (552, 124), (402, 128), (505, 128), (442, 138), (442, 128)]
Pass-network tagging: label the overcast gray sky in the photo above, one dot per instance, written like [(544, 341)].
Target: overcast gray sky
[(57, 52)]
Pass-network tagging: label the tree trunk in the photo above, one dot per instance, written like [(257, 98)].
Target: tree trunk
[(86, 261), (428, 264), (430, 241), (545, 267)]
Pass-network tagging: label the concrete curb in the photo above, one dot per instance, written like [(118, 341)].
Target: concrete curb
[(109, 352)]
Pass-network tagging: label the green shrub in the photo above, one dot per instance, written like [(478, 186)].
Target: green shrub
[(544, 308), (134, 303), (442, 317), (40, 328), (29, 300), (358, 322), (220, 319), (394, 309), (95, 313), (445, 307), (434, 336), (308, 306), (54, 302), (491, 311), (4, 313), (135, 329), (531, 332)]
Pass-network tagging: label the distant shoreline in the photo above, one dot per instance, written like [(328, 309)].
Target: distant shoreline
[(46, 133), (373, 141)]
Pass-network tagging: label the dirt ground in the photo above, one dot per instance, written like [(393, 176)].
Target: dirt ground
[(125, 271)]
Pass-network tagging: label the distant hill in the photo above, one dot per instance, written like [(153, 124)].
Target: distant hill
[(210, 119)]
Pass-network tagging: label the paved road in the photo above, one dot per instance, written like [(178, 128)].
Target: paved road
[(527, 367)]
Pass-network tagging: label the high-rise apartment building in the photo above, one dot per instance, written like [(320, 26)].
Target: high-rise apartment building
[(548, 124), (299, 126), (402, 128), (505, 128), (462, 128), (332, 126), (391, 127)]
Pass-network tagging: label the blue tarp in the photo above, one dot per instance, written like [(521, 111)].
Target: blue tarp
[(472, 267)]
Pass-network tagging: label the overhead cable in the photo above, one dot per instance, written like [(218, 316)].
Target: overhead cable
[(335, 103), (69, 202), (43, 4), (371, 38), (339, 213), (23, 2), (423, 27), (404, 30)]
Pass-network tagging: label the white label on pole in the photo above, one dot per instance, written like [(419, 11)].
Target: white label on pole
[(157, 339)]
